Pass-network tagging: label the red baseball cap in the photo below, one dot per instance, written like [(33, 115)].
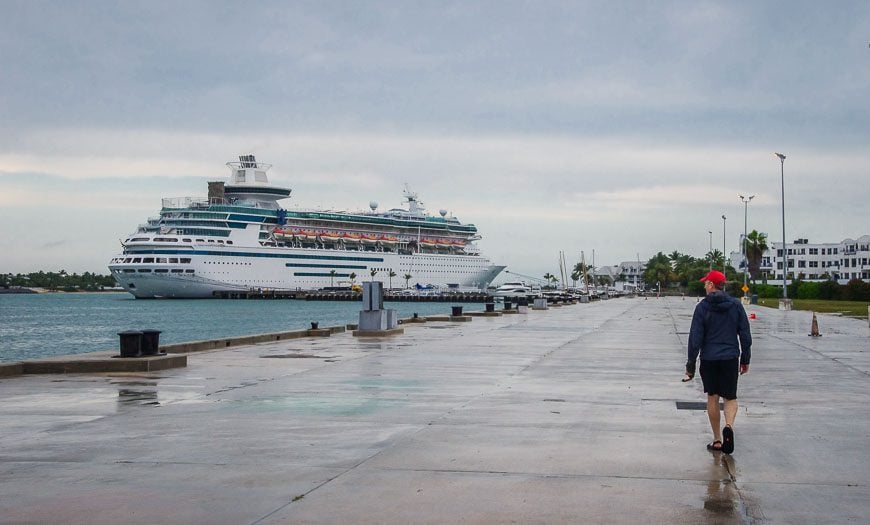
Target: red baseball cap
[(716, 277)]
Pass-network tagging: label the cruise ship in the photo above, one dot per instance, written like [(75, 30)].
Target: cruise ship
[(240, 238)]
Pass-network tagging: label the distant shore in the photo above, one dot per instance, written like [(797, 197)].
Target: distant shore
[(24, 290)]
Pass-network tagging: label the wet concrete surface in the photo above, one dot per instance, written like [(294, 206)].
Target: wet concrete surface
[(561, 416)]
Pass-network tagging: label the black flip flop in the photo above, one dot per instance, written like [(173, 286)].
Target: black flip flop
[(712, 448), (727, 440)]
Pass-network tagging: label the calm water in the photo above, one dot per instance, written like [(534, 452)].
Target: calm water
[(43, 325)]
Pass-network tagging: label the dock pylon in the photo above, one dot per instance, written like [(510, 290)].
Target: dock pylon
[(814, 331)]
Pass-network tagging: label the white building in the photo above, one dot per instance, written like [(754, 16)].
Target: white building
[(626, 276), (843, 261)]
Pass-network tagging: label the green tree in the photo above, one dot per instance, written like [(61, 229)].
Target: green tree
[(332, 278), (407, 278), (391, 275), (756, 245), (658, 270)]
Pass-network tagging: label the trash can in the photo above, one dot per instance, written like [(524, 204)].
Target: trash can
[(490, 307), (754, 299), (508, 305), (150, 342), (131, 343), (457, 311)]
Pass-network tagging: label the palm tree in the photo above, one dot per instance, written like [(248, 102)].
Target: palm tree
[(373, 272), (575, 276), (407, 278), (756, 245), (391, 275), (331, 278), (352, 276), (549, 277)]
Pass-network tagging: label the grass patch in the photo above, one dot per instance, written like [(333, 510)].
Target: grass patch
[(848, 308)]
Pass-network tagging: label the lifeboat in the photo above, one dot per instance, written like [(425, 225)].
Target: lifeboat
[(387, 241), (329, 237), (428, 243), (282, 235), (350, 238), (307, 236), (368, 239)]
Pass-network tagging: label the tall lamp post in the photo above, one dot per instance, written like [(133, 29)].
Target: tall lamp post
[(711, 249), (784, 250), (724, 264), (745, 201)]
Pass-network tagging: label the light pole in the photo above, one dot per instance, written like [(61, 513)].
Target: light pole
[(724, 264), (711, 249), (784, 250), (745, 201)]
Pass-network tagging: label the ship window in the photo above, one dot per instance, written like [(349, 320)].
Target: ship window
[(144, 270), (177, 270), (173, 260), (139, 239), (137, 260), (161, 270), (185, 260), (161, 259), (148, 260), (229, 242), (188, 271), (211, 240), (129, 270), (200, 240), (220, 242), (186, 240)]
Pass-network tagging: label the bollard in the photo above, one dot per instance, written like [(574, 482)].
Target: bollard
[(415, 316), (151, 342), (457, 311), (131, 343), (490, 307), (314, 325), (814, 330), (507, 305)]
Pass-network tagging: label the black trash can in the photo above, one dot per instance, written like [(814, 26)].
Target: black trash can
[(508, 305), (490, 307), (457, 310), (131, 343), (754, 299), (150, 342)]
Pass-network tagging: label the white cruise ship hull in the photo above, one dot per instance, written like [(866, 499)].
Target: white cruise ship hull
[(242, 269)]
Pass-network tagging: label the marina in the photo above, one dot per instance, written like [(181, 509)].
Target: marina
[(569, 415)]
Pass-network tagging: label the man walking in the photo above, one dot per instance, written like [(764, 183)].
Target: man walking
[(718, 325)]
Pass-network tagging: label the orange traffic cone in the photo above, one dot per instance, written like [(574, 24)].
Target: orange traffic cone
[(814, 331)]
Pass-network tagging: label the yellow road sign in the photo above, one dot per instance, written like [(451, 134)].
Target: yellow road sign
[(745, 288)]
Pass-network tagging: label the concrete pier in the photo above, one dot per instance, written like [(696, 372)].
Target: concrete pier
[(568, 415)]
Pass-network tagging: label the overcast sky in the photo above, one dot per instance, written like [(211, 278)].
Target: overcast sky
[(626, 128)]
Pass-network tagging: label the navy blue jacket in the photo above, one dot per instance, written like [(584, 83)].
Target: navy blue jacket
[(717, 325)]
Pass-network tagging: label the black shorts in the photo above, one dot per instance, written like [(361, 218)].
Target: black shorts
[(720, 377)]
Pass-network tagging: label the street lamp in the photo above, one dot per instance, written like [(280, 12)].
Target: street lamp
[(745, 201), (711, 249), (724, 264), (784, 250)]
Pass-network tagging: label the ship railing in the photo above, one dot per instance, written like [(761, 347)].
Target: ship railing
[(184, 202)]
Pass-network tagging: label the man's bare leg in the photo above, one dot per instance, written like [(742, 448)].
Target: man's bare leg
[(713, 414), (730, 411)]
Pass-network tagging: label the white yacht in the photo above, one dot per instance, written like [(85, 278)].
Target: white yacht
[(241, 239)]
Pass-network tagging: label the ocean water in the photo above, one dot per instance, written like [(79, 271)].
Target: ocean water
[(33, 326)]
